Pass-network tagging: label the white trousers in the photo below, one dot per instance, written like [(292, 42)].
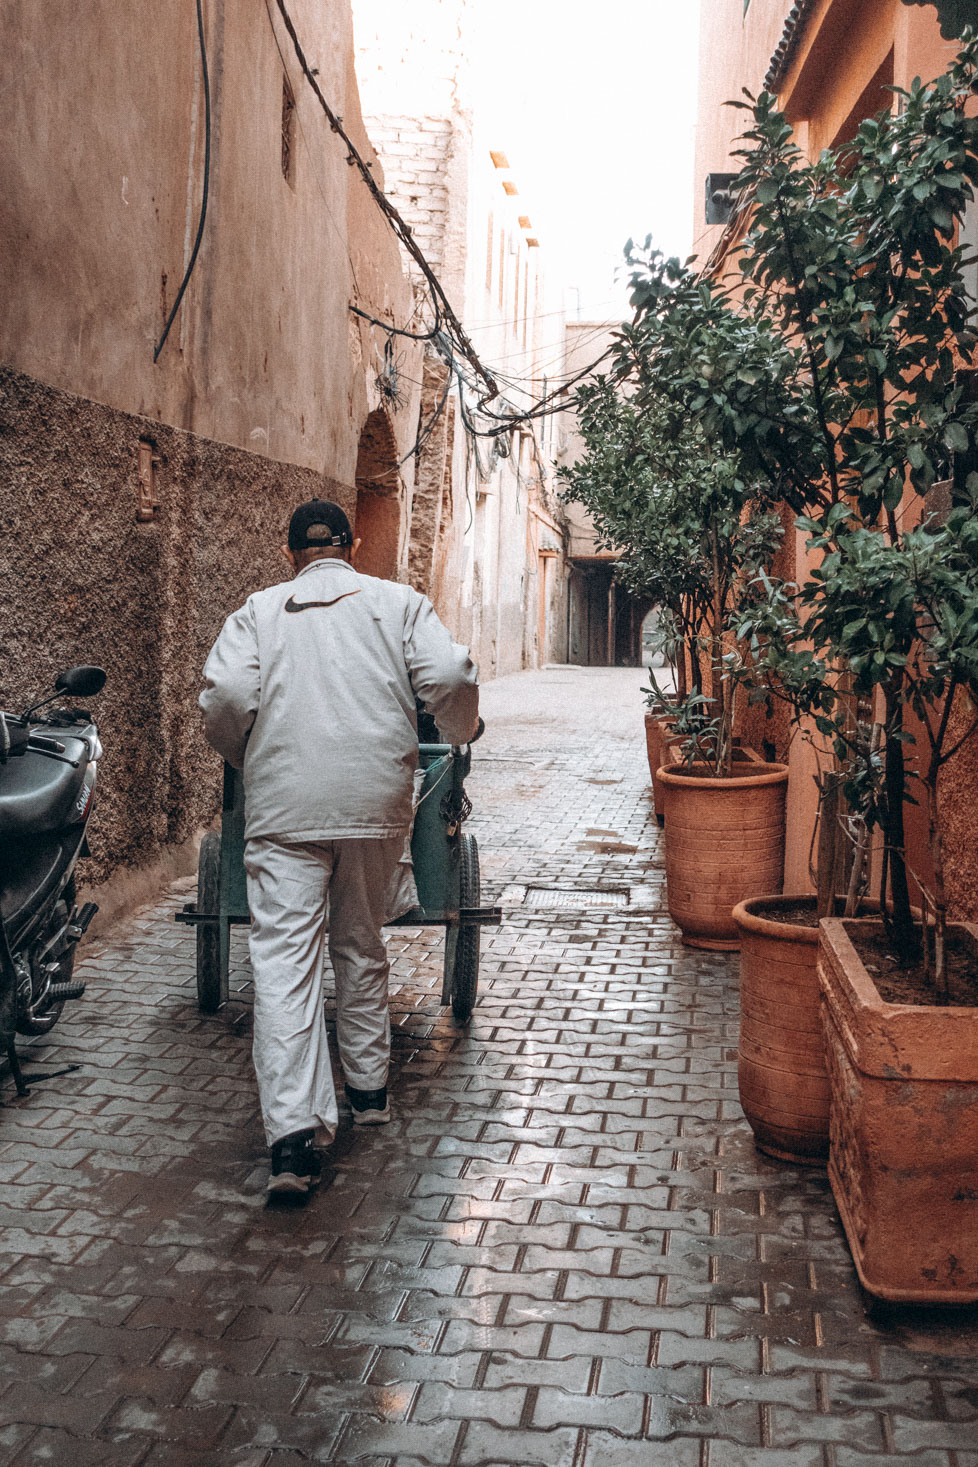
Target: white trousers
[(289, 890)]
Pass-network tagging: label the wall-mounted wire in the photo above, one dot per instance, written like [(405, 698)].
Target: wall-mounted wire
[(423, 434), (399, 330), (206, 188), (398, 224)]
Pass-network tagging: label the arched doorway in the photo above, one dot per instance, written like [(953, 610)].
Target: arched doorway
[(378, 514)]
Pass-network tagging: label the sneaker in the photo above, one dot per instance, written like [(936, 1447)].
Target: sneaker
[(295, 1165), (369, 1107)]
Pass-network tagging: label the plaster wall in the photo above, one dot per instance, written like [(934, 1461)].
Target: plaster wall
[(260, 396), (843, 43), (100, 186), (585, 343)]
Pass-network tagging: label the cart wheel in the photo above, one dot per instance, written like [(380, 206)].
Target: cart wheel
[(465, 978), (209, 933)]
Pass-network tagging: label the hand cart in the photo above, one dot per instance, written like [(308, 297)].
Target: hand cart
[(446, 873)]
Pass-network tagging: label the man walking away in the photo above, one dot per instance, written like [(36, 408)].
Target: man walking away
[(310, 689)]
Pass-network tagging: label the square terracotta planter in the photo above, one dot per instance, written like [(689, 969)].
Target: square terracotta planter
[(903, 1121)]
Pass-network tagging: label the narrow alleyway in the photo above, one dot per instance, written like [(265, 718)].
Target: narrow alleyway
[(564, 1251)]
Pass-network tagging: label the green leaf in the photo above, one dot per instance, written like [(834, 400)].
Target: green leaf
[(956, 438)]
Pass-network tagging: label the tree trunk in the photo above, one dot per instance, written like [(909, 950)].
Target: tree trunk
[(894, 768), (940, 892), (719, 689), (831, 853)]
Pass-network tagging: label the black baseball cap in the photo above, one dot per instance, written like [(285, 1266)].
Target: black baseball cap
[(319, 523)]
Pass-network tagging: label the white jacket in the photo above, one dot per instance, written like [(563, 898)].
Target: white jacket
[(310, 689)]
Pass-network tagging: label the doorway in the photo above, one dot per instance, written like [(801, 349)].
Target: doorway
[(378, 513)]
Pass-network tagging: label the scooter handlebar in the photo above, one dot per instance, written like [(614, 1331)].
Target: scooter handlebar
[(13, 738)]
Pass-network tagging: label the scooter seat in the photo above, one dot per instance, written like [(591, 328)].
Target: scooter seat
[(37, 791)]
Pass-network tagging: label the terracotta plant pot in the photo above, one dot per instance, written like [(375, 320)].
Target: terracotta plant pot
[(724, 843), (668, 753), (903, 1161), (669, 747), (657, 728), (784, 1087)]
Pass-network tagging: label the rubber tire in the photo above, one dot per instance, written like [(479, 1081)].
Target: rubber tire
[(208, 933), (465, 978), (46, 1021)]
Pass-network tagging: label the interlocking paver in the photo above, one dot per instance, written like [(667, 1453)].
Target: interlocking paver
[(564, 1250)]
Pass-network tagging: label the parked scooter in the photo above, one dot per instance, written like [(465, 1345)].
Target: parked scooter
[(48, 765)]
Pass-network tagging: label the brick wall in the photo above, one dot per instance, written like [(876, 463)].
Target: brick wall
[(415, 154)]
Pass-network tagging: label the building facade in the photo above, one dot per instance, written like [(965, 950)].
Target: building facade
[(604, 620), (486, 530), (146, 483)]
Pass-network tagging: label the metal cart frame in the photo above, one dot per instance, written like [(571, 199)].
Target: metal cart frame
[(446, 872)]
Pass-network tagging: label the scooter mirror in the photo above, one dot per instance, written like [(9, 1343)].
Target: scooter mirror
[(81, 682)]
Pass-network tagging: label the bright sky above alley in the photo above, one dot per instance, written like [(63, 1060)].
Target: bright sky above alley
[(595, 105)]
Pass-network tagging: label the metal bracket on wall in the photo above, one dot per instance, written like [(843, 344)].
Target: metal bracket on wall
[(147, 502)]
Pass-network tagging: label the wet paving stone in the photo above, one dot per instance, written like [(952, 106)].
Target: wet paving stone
[(564, 1250)]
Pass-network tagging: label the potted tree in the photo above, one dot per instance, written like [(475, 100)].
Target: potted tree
[(886, 624), (693, 535), (901, 999), (854, 282)]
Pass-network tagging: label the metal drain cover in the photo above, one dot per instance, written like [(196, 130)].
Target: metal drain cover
[(543, 898)]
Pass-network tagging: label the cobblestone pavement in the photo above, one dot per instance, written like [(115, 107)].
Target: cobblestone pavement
[(564, 1250)]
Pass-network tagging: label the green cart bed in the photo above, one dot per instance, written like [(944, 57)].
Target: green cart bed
[(446, 873)]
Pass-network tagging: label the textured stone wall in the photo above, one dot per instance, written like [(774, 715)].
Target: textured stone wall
[(84, 581), (434, 468), (958, 793), (258, 400)]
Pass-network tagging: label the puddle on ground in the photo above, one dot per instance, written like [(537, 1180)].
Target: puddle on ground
[(606, 847)]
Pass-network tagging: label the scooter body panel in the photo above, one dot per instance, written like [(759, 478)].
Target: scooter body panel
[(47, 794), (38, 789)]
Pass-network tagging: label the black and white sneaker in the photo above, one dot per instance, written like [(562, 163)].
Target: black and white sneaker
[(296, 1166), (369, 1107)]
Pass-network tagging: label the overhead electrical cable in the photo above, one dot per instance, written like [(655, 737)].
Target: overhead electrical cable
[(423, 435), (446, 336), (400, 330), (543, 404), (398, 224)]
